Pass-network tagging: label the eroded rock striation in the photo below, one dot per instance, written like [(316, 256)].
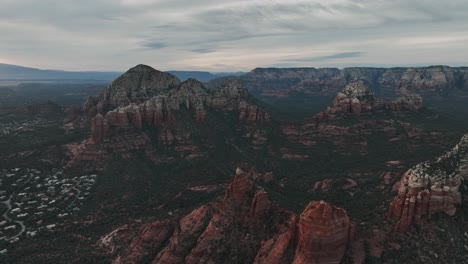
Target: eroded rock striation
[(144, 97), (430, 187), (166, 112), (243, 226), (355, 114), (322, 234), (357, 98), (279, 82)]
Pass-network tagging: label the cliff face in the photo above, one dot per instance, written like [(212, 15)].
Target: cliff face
[(322, 234), (149, 105), (357, 98), (329, 81), (243, 227), (430, 187), (353, 116), (144, 99)]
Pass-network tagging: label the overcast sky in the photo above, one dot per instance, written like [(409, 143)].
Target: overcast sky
[(232, 35)]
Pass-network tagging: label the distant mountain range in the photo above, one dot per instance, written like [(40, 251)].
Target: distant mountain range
[(14, 72)]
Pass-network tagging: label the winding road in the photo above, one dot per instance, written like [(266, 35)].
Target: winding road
[(5, 215)]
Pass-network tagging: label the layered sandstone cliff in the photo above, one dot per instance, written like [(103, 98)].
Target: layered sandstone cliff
[(244, 226), (430, 187), (356, 113), (357, 98), (167, 113), (328, 81), (144, 97)]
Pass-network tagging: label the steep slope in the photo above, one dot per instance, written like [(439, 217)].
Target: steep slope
[(244, 226), (279, 82), (149, 110), (356, 115), (430, 187)]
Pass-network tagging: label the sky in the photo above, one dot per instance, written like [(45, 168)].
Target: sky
[(232, 35)]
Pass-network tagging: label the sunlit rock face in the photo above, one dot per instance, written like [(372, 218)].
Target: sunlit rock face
[(431, 187)]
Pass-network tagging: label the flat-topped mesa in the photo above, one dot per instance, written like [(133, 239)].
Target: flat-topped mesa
[(430, 187), (329, 81), (322, 234)]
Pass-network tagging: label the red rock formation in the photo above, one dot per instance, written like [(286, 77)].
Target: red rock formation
[(243, 226), (322, 234), (336, 126), (99, 128), (153, 235), (275, 250), (144, 99), (357, 98), (150, 104), (328, 81), (430, 187)]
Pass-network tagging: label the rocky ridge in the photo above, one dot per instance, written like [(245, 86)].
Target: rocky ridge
[(160, 109), (234, 229), (145, 99), (430, 187), (344, 123), (280, 82), (357, 98)]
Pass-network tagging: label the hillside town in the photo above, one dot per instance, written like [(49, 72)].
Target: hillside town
[(33, 201)]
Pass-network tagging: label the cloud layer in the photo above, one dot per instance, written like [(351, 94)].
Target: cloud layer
[(232, 35)]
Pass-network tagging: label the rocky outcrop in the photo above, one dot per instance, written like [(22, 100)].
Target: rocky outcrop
[(430, 187), (351, 119), (168, 113), (99, 128), (357, 98), (137, 85), (144, 97), (322, 234), (242, 227), (280, 82)]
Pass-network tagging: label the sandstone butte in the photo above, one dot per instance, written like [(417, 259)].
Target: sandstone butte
[(357, 98), (145, 97), (329, 81), (353, 101), (430, 187), (243, 226)]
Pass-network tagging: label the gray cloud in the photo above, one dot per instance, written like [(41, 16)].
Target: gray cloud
[(342, 55), (154, 45), (203, 50), (231, 34)]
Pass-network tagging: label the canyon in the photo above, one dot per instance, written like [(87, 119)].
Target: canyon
[(163, 152), (277, 82)]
